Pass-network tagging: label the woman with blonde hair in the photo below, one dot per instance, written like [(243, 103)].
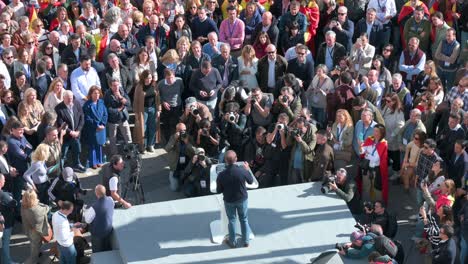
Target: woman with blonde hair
[(148, 9), (54, 95), (422, 80), (35, 225), (30, 113), (183, 47), (36, 175), (172, 61), (248, 63), (341, 136)]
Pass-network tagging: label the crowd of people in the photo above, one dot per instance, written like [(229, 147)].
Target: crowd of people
[(298, 90)]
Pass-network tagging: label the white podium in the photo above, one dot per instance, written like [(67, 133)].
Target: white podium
[(219, 227)]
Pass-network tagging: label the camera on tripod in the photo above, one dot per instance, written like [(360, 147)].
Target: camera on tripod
[(326, 184), (130, 152)]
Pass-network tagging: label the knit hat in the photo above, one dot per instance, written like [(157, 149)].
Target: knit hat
[(68, 174), (190, 101), (356, 235)]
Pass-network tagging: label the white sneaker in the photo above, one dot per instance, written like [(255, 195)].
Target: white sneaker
[(394, 176)]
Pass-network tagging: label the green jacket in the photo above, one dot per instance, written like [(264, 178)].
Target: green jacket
[(307, 145), (173, 148)]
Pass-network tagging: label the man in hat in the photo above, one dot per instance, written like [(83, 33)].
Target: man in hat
[(194, 112)]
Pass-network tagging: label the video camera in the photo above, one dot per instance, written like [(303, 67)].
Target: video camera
[(130, 152), (326, 184)]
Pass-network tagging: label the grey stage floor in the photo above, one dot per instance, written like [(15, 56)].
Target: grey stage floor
[(291, 223)]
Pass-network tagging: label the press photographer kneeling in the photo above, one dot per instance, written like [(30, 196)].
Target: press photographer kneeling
[(345, 188), (196, 177)]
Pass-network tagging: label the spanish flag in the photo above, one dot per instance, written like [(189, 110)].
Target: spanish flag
[(32, 16)]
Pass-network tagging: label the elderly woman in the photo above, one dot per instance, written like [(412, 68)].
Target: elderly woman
[(30, 113), (147, 108), (341, 136), (317, 92), (94, 129), (35, 225), (36, 175), (55, 95), (142, 62)]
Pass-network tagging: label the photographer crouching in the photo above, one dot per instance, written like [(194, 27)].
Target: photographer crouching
[(346, 189), (376, 213), (196, 177), (232, 129)]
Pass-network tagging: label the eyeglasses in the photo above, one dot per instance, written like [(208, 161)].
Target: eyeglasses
[(342, 14), (9, 57)]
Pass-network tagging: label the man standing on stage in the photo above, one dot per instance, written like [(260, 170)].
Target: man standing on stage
[(231, 182)]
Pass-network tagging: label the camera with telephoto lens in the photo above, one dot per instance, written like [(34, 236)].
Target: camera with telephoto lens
[(194, 110), (341, 247), (232, 116), (295, 132), (201, 157), (284, 99), (183, 135), (326, 184)]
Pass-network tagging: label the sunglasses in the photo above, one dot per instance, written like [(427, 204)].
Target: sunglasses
[(9, 57)]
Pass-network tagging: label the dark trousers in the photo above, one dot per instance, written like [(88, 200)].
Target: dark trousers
[(101, 243), (394, 155), (74, 145), (169, 119), (42, 189)]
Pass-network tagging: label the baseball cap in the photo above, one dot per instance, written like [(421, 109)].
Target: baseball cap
[(356, 235)]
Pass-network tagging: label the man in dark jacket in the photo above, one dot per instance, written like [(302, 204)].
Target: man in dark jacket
[(346, 189), (330, 52), (115, 69), (226, 65), (323, 159), (301, 67), (375, 30), (446, 138), (446, 252), (72, 53), (127, 41), (43, 80), (232, 183), (269, 26), (158, 32), (343, 27), (267, 79), (7, 212)]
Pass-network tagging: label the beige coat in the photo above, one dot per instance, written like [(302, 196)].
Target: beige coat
[(139, 109)]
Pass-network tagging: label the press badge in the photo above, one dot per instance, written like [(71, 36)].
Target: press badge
[(405, 141), (203, 184), (182, 160), (446, 64)]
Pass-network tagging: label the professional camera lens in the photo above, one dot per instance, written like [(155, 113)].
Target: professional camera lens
[(232, 117), (201, 157), (280, 126), (284, 99), (195, 111)]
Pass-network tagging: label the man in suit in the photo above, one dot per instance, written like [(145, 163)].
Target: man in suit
[(226, 65), (269, 26), (371, 26), (231, 182), (446, 138), (72, 53), (128, 42), (116, 70), (153, 29), (43, 80), (330, 52), (71, 113), (270, 69), (458, 163)]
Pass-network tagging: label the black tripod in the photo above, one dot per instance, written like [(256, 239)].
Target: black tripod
[(133, 184)]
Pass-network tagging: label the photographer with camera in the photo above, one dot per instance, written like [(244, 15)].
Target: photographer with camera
[(194, 112), (232, 129), (287, 103), (179, 149), (361, 246), (302, 140), (255, 152), (258, 108), (277, 144), (323, 159), (376, 213), (196, 177), (110, 174), (346, 189), (208, 138)]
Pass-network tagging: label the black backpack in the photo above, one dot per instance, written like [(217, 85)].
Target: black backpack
[(385, 246)]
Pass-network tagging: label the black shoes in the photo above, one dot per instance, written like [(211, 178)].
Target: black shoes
[(79, 168)]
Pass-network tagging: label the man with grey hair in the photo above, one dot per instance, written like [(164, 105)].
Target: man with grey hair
[(330, 52), (128, 42), (343, 27), (406, 133), (11, 25), (412, 61), (115, 70), (227, 65), (70, 117), (399, 87), (213, 47), (346, 189), (370, 87), (23, 29)]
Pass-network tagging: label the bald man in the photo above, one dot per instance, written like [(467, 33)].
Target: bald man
[(231, 182), (269, 26), (100, 217), (270, 68)]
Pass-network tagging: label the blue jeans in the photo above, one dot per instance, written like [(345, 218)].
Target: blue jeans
[(464, 38), (241, 208), (6, 245), (447, 78), (67, 254), (463, 250), (319, 115), (150, 125), (75, 146)]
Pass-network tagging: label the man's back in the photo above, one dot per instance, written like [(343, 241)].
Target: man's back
[(231, 182)]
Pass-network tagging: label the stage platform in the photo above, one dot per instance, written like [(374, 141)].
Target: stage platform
[(292, 224)]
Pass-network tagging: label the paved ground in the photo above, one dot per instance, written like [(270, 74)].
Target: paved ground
[(155, 181)]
